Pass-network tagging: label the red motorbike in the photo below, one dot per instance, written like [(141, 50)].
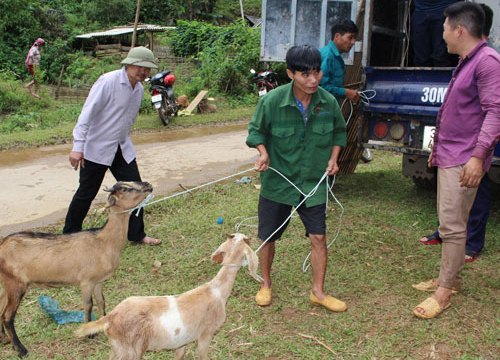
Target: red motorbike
[(266, 81)]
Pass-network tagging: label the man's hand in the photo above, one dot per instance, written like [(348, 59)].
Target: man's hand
[(472, 173), (352, 95), (333, 167), (76, 159), (429, 160), (262, 162)]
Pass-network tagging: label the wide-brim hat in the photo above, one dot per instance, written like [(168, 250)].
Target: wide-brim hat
[(140, 56)]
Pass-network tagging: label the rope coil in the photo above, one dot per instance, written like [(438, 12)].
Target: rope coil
[(147, 202)]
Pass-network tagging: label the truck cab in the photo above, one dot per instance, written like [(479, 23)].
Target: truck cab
[(402, 114)]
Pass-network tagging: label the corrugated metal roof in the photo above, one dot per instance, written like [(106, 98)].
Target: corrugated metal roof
[(124, 30)]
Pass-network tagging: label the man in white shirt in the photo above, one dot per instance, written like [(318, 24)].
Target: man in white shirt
[(101, 138)]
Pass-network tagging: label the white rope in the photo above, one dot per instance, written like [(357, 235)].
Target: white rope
[(306, 196), (365, 97), (141, 205), (328, 190), (195, 188), (146, 202)]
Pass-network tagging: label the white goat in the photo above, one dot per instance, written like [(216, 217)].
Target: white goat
[(85, 258), (150, 323)]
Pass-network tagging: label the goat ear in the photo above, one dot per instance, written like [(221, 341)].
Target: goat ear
[(110, 189), (218, 257), (111, 200), (253, 263)]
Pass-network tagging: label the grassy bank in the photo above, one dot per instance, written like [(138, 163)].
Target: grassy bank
[(373, 263), (53, 123)]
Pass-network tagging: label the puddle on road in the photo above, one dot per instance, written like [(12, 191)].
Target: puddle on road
[(17, 156)]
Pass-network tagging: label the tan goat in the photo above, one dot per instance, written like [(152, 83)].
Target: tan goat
[(150, 323), (85, 258)]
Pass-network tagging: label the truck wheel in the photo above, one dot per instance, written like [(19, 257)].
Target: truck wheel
[(427, 184), (366, 156)]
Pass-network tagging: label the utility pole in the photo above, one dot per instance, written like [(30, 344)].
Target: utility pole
[(242, 13), (134, 34)]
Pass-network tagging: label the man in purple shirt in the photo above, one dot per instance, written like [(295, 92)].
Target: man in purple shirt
[(467, 130), (101, 138)]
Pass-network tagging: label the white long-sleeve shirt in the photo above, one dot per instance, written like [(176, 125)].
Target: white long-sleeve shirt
[(107, 118)]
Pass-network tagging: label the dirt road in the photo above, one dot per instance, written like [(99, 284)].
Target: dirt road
[(37, 185)]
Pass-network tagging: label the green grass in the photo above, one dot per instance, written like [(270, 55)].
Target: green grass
[(372, 265)]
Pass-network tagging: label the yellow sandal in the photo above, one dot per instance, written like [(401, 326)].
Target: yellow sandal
[(431, 285), (431, 308)]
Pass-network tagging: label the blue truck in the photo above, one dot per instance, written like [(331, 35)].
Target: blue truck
[(402, 114)]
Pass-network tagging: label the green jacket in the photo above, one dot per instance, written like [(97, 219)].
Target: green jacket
[(299, 152)]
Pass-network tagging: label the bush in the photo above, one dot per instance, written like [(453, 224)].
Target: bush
[(226, 55), (85, 70)]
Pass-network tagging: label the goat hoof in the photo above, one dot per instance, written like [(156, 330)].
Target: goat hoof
[(22, 352), (4, 340)]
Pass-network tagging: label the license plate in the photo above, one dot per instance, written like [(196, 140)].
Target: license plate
[(262, 92), (156, 98), (428, 139)]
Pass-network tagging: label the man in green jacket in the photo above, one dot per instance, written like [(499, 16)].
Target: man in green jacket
[(298, 129)]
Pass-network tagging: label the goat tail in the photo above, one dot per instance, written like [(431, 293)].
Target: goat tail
[(92, 328)]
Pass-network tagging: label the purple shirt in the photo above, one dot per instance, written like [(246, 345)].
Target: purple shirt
[(468, 122)]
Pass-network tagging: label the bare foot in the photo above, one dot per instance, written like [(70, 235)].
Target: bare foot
[(150, 241)]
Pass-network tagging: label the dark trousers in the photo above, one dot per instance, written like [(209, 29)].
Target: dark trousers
[(429, 48), (478, 217), (91, 177)]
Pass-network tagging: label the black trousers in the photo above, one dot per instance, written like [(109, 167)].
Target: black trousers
[(91, 177), (429, 48)]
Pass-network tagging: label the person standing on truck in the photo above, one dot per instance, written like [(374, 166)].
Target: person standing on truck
[(478, 217), (429, 48), (298, 129), (344, 34), (467, 130), (101, 139)]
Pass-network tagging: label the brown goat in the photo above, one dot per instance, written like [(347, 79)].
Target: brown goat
[(85, 258), (151, 323)]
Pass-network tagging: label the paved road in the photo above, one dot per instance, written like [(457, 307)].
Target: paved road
[(37, 185)]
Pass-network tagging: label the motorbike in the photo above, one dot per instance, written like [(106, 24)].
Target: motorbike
[(266, 81), (162, 95)]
